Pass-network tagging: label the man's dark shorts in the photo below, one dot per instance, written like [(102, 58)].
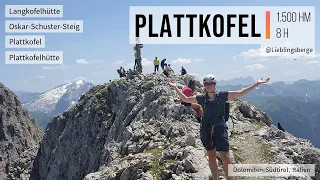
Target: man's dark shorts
[(220, 140)]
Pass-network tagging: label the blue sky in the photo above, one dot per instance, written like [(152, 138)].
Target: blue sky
[(105, 42)]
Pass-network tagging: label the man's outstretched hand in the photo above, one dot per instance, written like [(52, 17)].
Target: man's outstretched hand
[(261, 81)]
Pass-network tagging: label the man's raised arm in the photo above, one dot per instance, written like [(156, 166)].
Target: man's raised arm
[(244, 91)]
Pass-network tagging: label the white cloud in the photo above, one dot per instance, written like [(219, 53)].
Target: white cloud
[(128, 66), (145, 62), (291, 73), (53, 68), (314, 63), (255, 67), (82, 61), (187, 60), (182, 61), (251, 53), (118, 62), (198, 60), (40, 77)]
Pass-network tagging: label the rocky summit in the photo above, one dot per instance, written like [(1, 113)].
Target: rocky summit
[(135, 128), (19, 137)]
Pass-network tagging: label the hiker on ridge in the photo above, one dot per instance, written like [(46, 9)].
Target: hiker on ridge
[(120, 75), (156, 64), (163, 62), (167, 70), (183, 71), (214, 130), (122, 72), (135, 62)]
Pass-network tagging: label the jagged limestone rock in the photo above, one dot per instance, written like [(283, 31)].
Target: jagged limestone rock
[(19, 137), (135, 130)]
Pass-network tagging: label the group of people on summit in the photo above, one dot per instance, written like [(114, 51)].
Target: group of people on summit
[(122, 72), (166, 68)]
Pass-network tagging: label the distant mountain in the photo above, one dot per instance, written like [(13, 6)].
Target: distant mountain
[(29, 97), (294, 114), (296, 106), (44, 106), (237, 81), (18, 93), (301, 88)]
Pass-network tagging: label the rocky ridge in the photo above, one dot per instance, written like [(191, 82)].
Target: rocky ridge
[(134, 129), (19, 137)]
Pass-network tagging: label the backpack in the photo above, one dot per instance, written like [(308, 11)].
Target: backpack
[(225, 108)]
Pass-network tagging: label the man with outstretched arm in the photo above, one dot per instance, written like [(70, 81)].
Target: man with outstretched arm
[(214, 131)]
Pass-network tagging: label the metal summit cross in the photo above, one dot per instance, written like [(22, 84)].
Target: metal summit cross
[(137, 52)]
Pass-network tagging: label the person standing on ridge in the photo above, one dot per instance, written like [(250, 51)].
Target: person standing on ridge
[(122, 72), (135, 61), (183, 71), (163, 62), (189, 91), (214, 130), (119, 72), (169, 69), (156, 64), (165, 71)]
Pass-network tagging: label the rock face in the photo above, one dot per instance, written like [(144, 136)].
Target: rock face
[(134, 129), (19, 137)]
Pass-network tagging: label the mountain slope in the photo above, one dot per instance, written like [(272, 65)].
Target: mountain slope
[(18, 93), (44, 106), (133, 129), (294, 114), (295, 106), (19, 135), (72, 95)]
